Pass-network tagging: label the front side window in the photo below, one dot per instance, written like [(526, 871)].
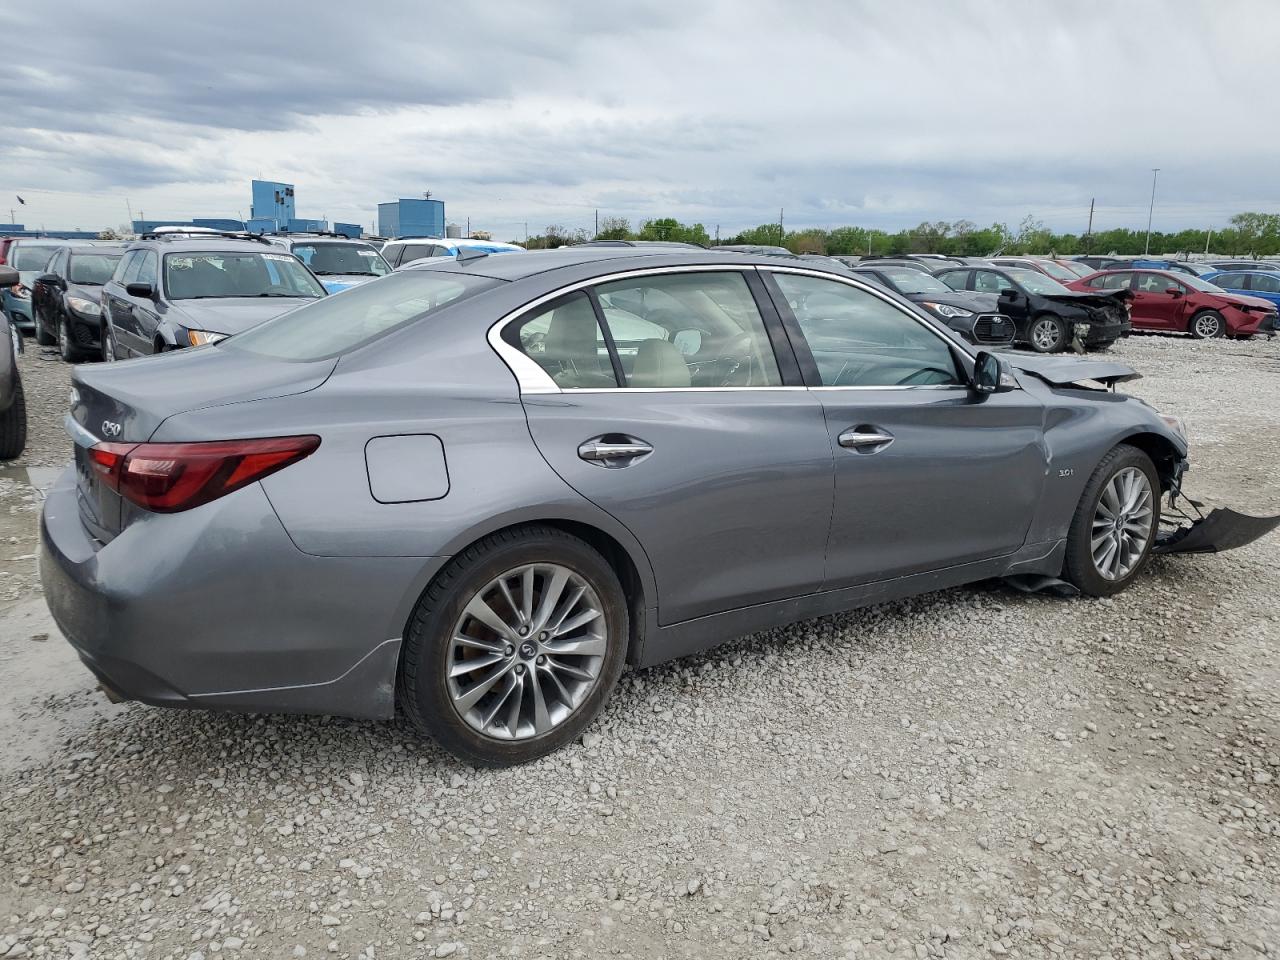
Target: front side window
[(1264, 283), (341, 259), (216, 275), (955, 279), (859, 340), (148, 269), (332, 326), (93, 269), (689, 330), (988, 281), (128, 270), (1157, 283)]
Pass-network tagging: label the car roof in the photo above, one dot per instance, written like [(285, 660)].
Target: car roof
[(626, 258), (200, 243), (98, 248), (457, 242)]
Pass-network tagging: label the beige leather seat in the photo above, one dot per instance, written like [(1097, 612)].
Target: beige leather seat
[(659, 364), (572, 354)]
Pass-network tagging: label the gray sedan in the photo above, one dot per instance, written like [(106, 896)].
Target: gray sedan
[(476, 489)]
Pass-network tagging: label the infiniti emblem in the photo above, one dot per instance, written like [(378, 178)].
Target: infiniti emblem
[(110, 429), (527, 650)]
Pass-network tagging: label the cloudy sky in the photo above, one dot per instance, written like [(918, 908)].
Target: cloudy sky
[(720, 111)]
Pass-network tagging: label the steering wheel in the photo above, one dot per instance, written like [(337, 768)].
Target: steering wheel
[(909, 379)]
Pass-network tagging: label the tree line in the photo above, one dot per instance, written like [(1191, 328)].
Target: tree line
[(1249, 234)]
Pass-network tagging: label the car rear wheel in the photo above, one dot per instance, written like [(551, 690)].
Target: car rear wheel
[(515, 647), (13, 424), (108, 340), (1115, 523), (1207, 324), (1048, 335)]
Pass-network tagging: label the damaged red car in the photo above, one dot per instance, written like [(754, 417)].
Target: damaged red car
[(1178, 302)]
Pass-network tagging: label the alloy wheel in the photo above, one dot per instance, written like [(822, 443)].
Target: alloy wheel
[(526, 651), (1206, 327), (1045, 335), (108, 344), (64, 340), (1122, 524)]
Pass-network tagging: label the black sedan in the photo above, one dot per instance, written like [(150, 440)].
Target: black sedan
[(65, 299), (975, 316), (1048, 316)]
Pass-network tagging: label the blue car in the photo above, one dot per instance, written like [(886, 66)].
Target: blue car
[(1264, 284), (339, 262)]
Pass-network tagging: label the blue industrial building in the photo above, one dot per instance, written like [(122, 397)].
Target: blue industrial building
[(411, 218), (20, 230), (272, 201)]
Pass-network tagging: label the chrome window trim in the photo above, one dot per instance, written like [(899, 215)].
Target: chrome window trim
[(532, 379)]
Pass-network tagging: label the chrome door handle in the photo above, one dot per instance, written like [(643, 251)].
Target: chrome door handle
[(862, 439), (600, 451)]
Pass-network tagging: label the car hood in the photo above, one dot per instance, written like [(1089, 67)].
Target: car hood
[(1065, 371), (1244, 300), (966, 300), (233, 314), (1091, 298)]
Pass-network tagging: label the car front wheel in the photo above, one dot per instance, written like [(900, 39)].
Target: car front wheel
[(1207, 324), (108, 341), (1048, 335), (515, 647), (43, 337), (1115, 523)]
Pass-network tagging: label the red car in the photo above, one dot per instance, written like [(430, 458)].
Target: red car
[(1163, 300)]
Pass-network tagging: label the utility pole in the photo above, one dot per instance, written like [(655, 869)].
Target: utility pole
[(1155, 172), (128, 206), (717, 234), (597, 233), (526, 233), (1206, 241), (1088, 234), (781, 233), (468, 228)]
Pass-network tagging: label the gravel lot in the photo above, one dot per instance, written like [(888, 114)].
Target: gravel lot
[(973, 773)]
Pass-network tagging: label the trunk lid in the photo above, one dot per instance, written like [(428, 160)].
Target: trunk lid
[(126, 402)]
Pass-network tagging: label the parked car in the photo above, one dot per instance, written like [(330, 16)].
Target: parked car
[(176, 290), (404, 250), (1223, 266), (1045, 265), (1077, 268), (1048, 316), (5, 243), (459, 491), (649, 244), (918, 265), (1145, 263), (1176, 302), (1099, 262), (1262, 284), (338, 261), (29, 256), (66, 300), (13, 403), (975, 316), (758, 249)]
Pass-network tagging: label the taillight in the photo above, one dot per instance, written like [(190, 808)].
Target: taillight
[(169, 477)]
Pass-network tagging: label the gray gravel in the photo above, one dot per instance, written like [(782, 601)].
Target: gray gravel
[(974, 773)]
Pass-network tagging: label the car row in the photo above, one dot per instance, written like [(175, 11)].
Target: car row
[(473, 490)]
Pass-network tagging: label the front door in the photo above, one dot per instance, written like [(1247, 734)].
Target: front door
[(1158, 302), (665, 405), (929, 474)]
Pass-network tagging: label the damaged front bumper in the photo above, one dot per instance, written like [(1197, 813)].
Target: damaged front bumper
[(1222, 529)]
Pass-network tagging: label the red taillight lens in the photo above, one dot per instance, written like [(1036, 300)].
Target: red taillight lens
[(168, 477)]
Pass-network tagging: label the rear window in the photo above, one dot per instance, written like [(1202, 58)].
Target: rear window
[(349, 320), (32, 257)]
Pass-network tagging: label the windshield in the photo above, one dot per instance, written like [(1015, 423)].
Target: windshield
[(338, 325), (906, 280), (346, 259), (1204, 286), (205, 276), (1078, 269), (92, 269), (32, 257), (1036, 282)]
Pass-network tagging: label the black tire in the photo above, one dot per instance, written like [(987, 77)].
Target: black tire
[(106, 342), (1079, 565), (422, 687), (43, 337), (13, 424), (68, 349), (1207, 324), (1044, 345)]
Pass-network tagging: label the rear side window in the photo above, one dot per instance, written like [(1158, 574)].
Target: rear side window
[(1264, 283), (1111, 281), (955, 279), (566, 341), (418, 251), (331, 326)]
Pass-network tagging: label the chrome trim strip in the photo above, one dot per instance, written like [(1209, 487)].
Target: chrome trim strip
[(575, 390), (531, 377), (77, 433), (909, 386)]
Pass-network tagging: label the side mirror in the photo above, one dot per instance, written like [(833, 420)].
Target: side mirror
[(1173, 291), (991, 374), (143, 290), (9, 277), (1008, 293), (48, 278)]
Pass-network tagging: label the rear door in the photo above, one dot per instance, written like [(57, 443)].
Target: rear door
[(928, 474), (116, 302), (672, 401), (135, 327)]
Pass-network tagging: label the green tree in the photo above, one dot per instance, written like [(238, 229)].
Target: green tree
[(614, 228)]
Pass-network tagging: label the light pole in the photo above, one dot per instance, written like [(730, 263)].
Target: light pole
[(1155, 172)]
